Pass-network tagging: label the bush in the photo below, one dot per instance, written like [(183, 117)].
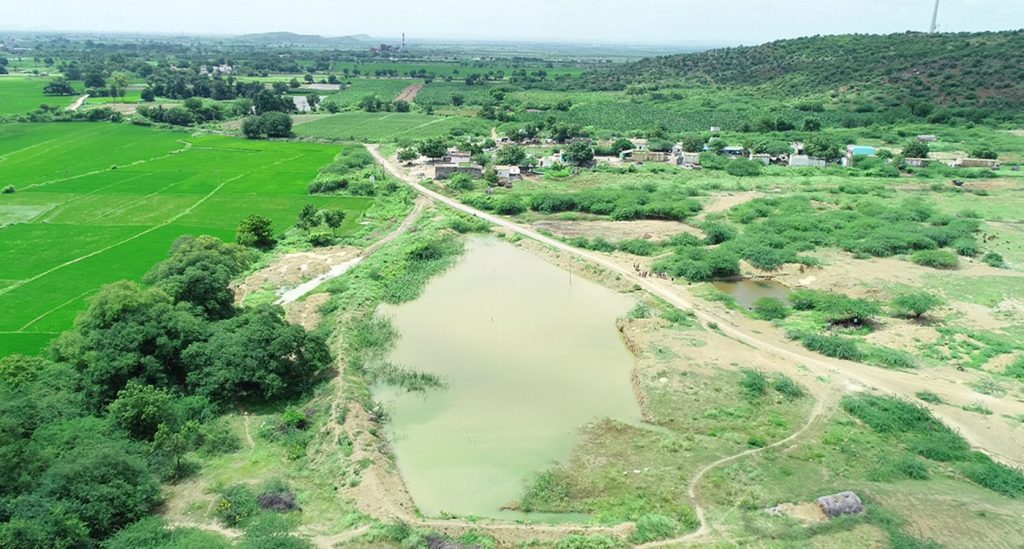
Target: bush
[(833, 346), (967, 247), (717, 233), (936, 259), (770, 308), (741, 167), (235, 505), (9, 189), (652, 527), (993, 259), (891, 358), (754, 383), (929, 397), (914, 305), (997, 477), (787, 387)]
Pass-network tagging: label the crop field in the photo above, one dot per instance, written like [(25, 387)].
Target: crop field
[(389, 126), (440, 93), (386, 90), (22, 94), (76, 222)]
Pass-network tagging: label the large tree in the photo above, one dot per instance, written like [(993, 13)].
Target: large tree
[(199, 270), (256, 354), (578, 153)]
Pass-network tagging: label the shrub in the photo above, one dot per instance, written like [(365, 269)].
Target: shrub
[(936, 259), (717, 233), (914, 305), (967, 247), (891, 358), (754, 383), (742, 167), (9, 189), (1007, 481), (929, 397), (833, 346), (580, 541), (652, 527), (235, 505), (993, 259), (787, 387), (461, 182), (771, 308)]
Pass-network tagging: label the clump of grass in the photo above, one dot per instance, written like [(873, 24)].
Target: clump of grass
[(754, 383), (1008, 481), (832, 346), (936, 259), (929, 397), (978, 408), (8, 189), (770, 308), (925, 435), (787, 387), (653, 527), (580, 541), (891, 358), (993, 259), (988, 386)]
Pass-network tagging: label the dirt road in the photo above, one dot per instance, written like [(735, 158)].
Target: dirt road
[(78, 103), (991, 435), (409, 94)]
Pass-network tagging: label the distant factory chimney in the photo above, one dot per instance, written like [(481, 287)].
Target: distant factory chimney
[(403, 38), (935, 18)]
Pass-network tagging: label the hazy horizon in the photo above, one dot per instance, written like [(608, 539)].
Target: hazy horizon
[(657, 22)]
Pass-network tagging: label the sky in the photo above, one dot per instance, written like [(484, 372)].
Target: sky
[(578, 21)]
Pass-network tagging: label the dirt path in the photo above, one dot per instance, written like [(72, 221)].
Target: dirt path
[(338, 270), (820, 407), (78, 103), (409, 94), (992, 436)]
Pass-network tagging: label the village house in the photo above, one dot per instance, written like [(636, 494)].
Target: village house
[(508, 174), (456, 156), (975, 163), (804, 161), (445, 171), (927, 138), (688, 159), (853, 151), (917, 162), (734, 152), (644, 155), (763, 158)]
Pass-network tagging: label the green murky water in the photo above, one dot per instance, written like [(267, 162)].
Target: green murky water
[(747, 292), (530, 354)]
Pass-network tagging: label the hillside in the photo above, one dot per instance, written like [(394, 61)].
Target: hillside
[(306, 40), (966, 69)]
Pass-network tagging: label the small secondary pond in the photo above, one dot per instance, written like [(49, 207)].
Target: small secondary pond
[(530, 354), (747, 292)]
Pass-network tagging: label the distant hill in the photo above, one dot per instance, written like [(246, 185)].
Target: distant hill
[(305, 40), (965, 69)]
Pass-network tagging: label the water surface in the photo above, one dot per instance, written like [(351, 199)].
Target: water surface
[(747, 292), (530, 354)]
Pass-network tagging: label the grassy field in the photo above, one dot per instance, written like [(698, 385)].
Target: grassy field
[(385, 90), (76, 222), (388, 126), (20, 94)]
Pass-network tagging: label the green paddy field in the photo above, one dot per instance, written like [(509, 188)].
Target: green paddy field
[(97, 203)]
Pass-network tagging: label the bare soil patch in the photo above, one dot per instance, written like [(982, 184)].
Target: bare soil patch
[(721, 202), (409, 94), (293, 269), (615, 231), (306, 312)]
